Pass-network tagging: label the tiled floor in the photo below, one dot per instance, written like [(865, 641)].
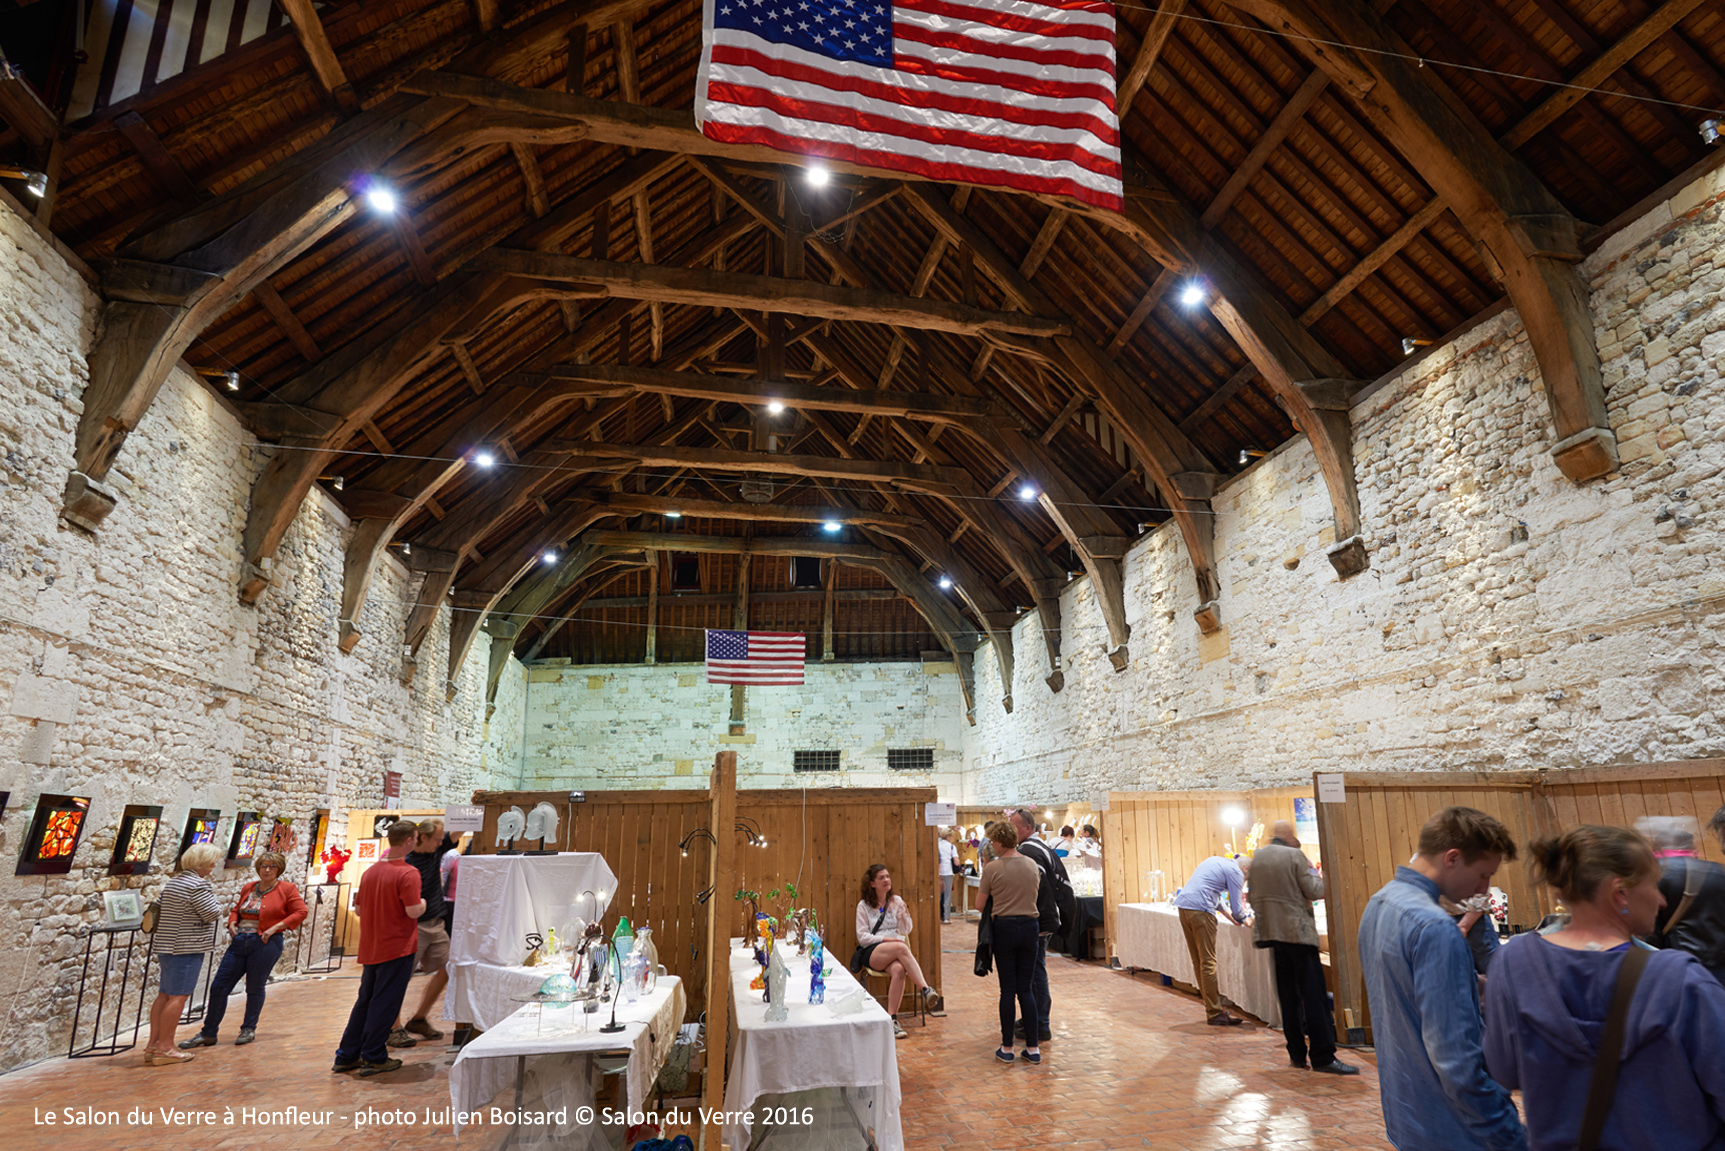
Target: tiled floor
[(1131, 1065)]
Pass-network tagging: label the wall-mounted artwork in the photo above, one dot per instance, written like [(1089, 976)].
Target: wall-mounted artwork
[(54, 833), (135, 845), (283, 837), (201, 827), (319, 833), (366, 851), (248, 826), (380, 825)]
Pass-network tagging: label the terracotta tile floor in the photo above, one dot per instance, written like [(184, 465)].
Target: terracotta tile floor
[(1131, 1065)]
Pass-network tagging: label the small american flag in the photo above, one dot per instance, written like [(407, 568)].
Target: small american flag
[(755, 657), (1004, 93)]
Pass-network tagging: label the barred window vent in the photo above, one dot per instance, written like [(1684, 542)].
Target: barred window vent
[(910, 758), (814, 761)]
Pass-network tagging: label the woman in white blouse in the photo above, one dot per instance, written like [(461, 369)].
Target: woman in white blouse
[(883, 921)]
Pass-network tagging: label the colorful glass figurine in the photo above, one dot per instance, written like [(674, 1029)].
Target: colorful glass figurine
[(778, 1010), (817, 980)]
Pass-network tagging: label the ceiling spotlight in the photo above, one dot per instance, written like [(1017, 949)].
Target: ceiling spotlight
[(832, 525), (1709, 134), (484, 459), (1411, 343), (381, 197), (1247, 455), (775, 408), (406, 549), (36, 183), (818, 176), (233, 379), (1027, 492), (1192, 294), (337, 483), (673, 515), (550, 558), (945, 581)]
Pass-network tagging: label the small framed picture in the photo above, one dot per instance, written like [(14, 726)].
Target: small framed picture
[(124, 908), (366, 851)]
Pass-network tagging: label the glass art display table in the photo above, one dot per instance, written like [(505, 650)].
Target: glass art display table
[(817, 1081), (555, 1056), (500, 901)]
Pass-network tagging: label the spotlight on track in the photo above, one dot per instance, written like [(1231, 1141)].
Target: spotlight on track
[(1247, 455), (232, 379), (1709, 133), (1411, 344), (36, 183)]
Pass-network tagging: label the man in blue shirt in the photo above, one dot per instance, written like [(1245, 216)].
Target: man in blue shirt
[(1424, 998), (1198, 903)]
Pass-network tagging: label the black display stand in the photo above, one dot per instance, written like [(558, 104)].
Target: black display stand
[(130, 936), (195, 1014), (308, 938)]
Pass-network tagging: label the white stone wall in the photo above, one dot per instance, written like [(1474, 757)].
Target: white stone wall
[(631, 726), (129, 671), (1510, 618)]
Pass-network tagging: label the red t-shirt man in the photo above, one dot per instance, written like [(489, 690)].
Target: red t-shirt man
[(389, 904), (386, 890)]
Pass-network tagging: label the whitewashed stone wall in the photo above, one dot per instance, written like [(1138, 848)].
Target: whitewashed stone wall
[(631, 726), (129, 671), (1509, 617)]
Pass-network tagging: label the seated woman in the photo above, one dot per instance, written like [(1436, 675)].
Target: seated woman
[(1067, 843), (883, 921), (1549, 996)]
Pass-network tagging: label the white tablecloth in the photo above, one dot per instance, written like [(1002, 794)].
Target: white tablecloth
[(1148, 935), (501, 899), (560, 1043), (484, 995), (810, 1051)]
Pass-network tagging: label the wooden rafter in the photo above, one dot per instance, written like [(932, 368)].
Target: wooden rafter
[(325, 65)]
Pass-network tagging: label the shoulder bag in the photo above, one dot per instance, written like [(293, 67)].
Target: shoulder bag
[(859, 956), (1603, 1088), (985, 940)]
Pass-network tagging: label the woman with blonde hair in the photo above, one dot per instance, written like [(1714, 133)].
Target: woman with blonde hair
[(186, 914), (1612, 1044), (267, 907)]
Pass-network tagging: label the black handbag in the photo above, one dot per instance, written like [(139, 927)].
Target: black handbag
[(985, 941), (859, 954)]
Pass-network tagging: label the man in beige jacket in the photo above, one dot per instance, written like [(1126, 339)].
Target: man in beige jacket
[(1283, 888)]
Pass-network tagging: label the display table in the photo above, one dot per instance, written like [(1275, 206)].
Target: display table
[(817, 1080), (550, 1054), (1075, 941), (499, 901), (1148, 936)]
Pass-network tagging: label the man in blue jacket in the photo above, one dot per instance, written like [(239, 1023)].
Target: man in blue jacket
[(1424, 997)]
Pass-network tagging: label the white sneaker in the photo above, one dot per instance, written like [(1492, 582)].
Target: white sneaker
[(899, 1032)]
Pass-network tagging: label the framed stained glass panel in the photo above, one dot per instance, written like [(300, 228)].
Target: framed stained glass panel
[(54, 834), (282, 836), (244, 844), (202, 824), (135, 844)]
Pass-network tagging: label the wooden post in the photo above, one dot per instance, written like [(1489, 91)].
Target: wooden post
[(652, 609), (832, 583), (722, 789), (740, 622), (577, 77)]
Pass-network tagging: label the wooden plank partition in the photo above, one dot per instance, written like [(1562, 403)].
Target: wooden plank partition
[(822, 840)]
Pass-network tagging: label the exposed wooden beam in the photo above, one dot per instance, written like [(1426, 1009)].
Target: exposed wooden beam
[(158, 162), (325, 65), (485, 12), (290, 326), (610, 379), (407, 231), (1302, 99), (534, 181), (1497, 198), (1215, 400), (917, 477), (699, 286), (1141, 312), (1637, 39), (1373, 260), (1149, 50), (628, 504), (24, 111), (468, 368)]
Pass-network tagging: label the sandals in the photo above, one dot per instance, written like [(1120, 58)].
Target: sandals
[(167, 1058)]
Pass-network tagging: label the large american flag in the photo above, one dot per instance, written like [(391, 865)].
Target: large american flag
[(1004, 93), (755, 657)]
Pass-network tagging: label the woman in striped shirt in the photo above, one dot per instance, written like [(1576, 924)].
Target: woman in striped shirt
[(185, 933)]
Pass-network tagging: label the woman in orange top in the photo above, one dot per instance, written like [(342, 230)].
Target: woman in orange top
[(267, 908)]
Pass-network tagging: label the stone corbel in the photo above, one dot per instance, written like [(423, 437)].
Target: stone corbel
[(254, 578), (1587, 455), (1349, 556), (1209, 617), (86, 502)]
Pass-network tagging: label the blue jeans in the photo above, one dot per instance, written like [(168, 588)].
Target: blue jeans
[(252, 960), (382, 986), (1015, 940)]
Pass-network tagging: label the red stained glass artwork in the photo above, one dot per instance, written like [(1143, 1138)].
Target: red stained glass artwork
[(60, 836)]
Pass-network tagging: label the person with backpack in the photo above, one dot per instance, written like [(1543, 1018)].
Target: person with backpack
[(1694, 889), (1612, 1043), (1056, 905)]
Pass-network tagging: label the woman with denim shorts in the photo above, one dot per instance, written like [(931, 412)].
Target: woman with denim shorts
[(187, 911)]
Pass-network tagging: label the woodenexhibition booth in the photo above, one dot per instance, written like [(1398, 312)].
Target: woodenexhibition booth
[(1373, 827)]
